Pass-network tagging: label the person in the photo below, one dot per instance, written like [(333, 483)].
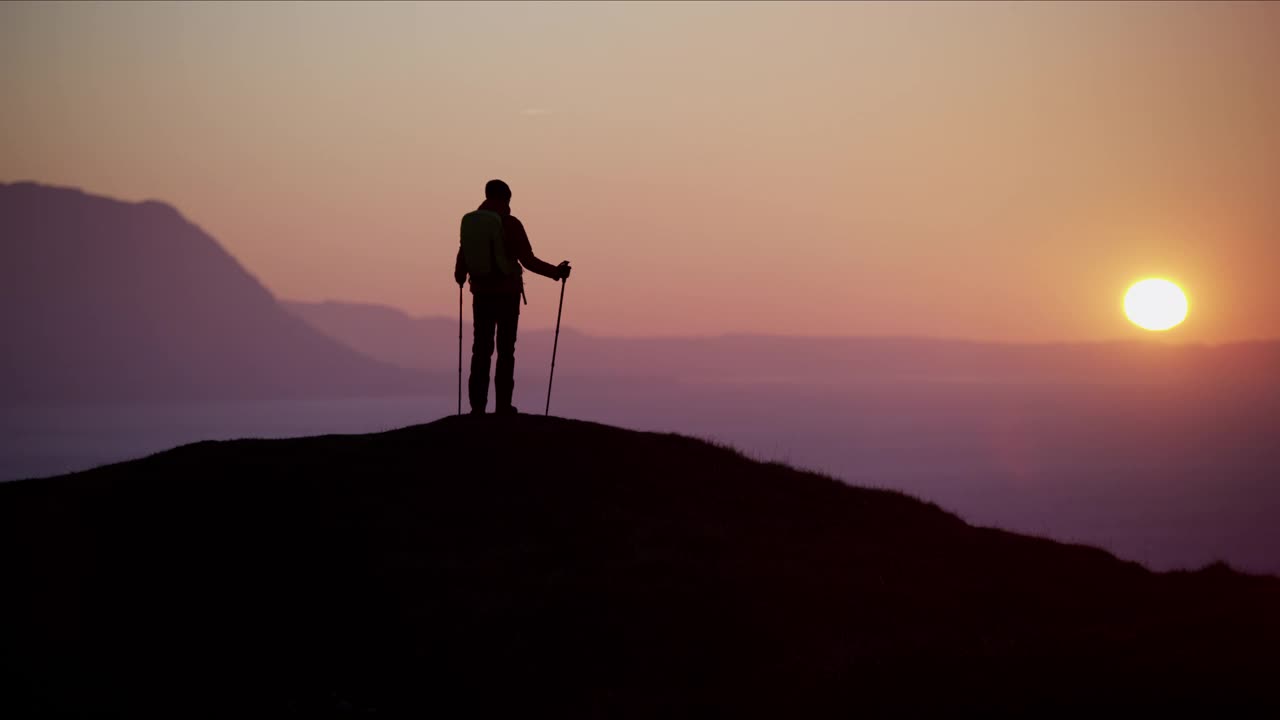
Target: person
[(492, 250)]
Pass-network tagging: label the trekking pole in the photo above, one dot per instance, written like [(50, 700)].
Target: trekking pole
[(554, 346), (459, 349)]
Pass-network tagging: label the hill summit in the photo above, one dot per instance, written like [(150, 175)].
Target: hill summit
[(537, 564)]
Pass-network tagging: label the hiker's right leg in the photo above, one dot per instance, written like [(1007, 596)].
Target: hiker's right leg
[(504, 381), (482, 310)]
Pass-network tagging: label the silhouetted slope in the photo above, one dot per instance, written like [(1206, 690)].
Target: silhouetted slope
[(102, 300), (533, 564)]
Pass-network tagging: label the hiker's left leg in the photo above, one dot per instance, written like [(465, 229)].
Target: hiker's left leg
[(504, 381)]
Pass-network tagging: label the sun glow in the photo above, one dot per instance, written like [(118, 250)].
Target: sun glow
[(1155, 304)]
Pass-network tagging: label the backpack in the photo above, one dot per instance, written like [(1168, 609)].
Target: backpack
[(482, 247)]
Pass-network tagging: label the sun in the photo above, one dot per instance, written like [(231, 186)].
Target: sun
[(1155, 304)]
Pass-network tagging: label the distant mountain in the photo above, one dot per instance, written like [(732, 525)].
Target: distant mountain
[(108, 301), (427, 343), (385, 333), (581, 570)]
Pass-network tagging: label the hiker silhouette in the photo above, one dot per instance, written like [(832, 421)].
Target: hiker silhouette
[(492, 250)]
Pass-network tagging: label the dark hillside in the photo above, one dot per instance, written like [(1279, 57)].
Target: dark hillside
[(533, 564)]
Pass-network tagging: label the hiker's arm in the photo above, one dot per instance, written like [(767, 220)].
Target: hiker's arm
[(460, 269), (524, 253)]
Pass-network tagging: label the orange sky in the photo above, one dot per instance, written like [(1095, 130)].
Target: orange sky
[(982, 171)]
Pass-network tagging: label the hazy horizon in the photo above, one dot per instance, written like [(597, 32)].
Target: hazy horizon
[(1148, 338)]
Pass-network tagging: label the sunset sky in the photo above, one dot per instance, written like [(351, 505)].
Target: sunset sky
[(994, 171)]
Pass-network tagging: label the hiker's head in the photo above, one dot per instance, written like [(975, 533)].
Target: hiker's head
[(497, 190)]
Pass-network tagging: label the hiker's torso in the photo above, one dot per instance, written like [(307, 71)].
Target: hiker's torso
[(489, 245)]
